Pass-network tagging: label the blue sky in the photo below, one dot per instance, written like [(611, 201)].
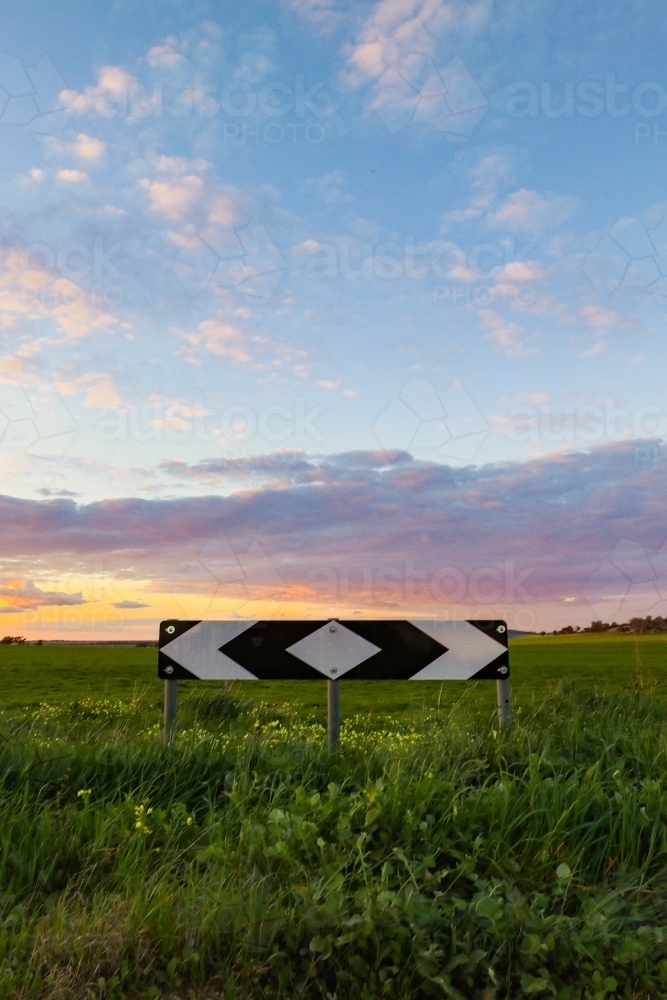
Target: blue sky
[(247, 251)]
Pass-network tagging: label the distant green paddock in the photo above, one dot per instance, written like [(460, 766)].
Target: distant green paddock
[(35, 674)]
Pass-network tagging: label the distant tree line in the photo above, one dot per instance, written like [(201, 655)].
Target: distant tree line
[(639, 625), (9, 639)]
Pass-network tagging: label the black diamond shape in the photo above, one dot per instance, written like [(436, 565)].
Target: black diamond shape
[(268, 658), (404, 650)]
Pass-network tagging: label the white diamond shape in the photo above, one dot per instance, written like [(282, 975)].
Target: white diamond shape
[(333, 649)]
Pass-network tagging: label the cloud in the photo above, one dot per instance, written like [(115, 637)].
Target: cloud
[(23, 595), (174, 415), (330, 188), (532, 212), (322, 15), (220, 338), (595, 350), (554, 518), (78, 315), (165, 56), (396, 52), (100, 389), (47, 491), (173, 199), (129, 605), (520, 271), (602, 321), (282, 465), (177, 185), (392, 31), (491, 170), (88, 148), (224, 339), (505, 334), (31, 293), (114, 86), (72, 176), (179, 166), (601, 318), (83, 147)]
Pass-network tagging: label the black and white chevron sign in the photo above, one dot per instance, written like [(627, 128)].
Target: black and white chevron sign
[(417, 650)]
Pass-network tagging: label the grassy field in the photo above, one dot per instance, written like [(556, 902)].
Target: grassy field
[(431, 856), (32, 674)]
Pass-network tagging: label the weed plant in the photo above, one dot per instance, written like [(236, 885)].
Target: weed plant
[(436, 859)]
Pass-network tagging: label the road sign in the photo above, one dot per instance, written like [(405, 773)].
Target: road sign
[(416, 650)]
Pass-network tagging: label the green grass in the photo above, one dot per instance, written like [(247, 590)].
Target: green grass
[(432, 855), (33, 674), (604, 661), (438, 859)]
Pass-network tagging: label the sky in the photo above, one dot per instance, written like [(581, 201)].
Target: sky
[(316, 308)]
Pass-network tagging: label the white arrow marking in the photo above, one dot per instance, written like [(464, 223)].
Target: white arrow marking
[(198, 650), (468, 650)]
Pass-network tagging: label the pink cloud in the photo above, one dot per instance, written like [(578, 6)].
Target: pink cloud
[(532, 212), (23, 595), (382, 529)]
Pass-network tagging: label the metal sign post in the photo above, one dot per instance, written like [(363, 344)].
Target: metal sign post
[(333, 714), (417, 650), (504, 711), (170, 695)]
